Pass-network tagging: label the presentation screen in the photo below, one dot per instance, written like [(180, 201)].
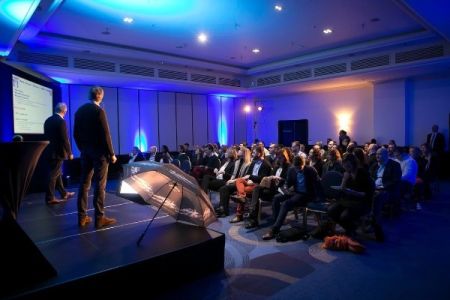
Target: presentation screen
[(32, 105)]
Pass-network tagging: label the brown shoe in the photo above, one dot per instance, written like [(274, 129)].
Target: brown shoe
[(83, 221), (237, 219), (54, 201), (68, 195), (104, 221)]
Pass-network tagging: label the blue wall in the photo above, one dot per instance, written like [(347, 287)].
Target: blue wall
[(145, 118)]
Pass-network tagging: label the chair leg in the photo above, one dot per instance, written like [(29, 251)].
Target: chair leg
[(259, 211)]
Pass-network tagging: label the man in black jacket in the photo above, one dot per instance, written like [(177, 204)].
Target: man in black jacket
[(91, 133), (304, 181), (57, 151)]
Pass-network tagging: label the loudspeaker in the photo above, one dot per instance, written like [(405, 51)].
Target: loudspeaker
[(22, 263), (293, 130)]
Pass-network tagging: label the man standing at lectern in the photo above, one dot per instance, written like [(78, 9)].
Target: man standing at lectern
[(57, 151), (91, 133)]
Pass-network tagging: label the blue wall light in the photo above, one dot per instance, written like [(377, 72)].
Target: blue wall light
[(143, 143)]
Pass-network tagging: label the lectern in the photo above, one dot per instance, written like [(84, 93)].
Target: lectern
[(22, 263)]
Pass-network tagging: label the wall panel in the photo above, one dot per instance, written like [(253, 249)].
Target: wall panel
[(200, 119), (167, 120), (184, 118), (128, 110), (148, 105)]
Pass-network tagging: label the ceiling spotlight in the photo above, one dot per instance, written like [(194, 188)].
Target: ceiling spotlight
[(260, 108), (247, 108), (256, 50), (202, 38), (328, 31), (278, 7), (128, 20)]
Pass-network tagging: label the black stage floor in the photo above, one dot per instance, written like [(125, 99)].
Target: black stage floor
[(90, 259)]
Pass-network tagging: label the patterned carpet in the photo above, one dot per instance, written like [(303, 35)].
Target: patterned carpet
[(412, 263)]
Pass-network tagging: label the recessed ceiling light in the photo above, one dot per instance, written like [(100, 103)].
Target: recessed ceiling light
[(247, 108), (278, 7), (202, 38), (256, 50), (328, 31), (128, 20)]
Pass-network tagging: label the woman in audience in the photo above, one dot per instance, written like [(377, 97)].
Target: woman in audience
[(315, 159), (165, 155), (357, 190), (240, 169), (361, 157), (333, 163)]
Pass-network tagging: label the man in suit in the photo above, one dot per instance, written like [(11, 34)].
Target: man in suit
[(57, 151), (91, 133), (436, 141)]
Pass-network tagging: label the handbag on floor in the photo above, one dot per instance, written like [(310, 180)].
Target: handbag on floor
[(292, 234)]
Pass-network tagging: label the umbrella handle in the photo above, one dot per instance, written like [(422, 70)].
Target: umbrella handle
[(154, 216)]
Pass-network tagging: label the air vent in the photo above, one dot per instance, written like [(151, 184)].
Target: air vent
[(370, 62), (203, 78), (331, 69), (43, 59), (418, 54), (268, 80), (96, 65), (297, 75), (137, 70), (230, 82), (169, 74)]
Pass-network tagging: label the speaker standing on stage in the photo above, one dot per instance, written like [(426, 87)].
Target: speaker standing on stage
[(57, 151), (91, 133)]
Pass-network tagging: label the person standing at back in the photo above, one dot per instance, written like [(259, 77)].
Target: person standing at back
[(92, 136), (55, 130)]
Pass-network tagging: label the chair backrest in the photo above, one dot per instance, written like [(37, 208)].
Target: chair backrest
[(186, 165), (330, 179), (176, 162)]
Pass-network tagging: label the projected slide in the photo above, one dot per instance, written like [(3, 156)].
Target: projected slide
[(32, 105)]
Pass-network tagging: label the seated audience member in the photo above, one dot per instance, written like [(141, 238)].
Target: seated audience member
[(210, 163), (182, 155), (409, 172), (361, 158), (153, 154), (273, 148), (387, 174), (315, 159), (198, 157), (165, 155), (431, 169), (416, 154), (298, 150), (372, 155), (333, 162), (357, 190), (136, 155), (391, 149), (240, 169), (189, 152), (17, 138), (268, 191), (304, 182), (258, 169), (222, 175)]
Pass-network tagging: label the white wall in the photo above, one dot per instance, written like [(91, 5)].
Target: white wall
[(324, 110), (390, 112), (429, 104)]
